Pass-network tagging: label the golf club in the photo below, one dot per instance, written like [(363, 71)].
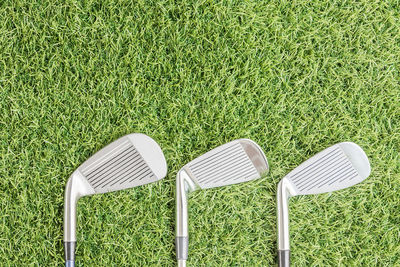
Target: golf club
[(337, 167), (130, 161), (238, 161)]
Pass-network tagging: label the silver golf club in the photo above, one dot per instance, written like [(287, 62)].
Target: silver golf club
[(337, 167), (130, 161), (238, 161)]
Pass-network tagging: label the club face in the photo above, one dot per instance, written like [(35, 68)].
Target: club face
[(238, 161), (337, 167), (130, 161)]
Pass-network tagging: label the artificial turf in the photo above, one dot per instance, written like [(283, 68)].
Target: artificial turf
[(295, 76)]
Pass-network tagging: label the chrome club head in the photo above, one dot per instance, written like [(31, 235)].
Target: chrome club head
[(130, 161), (337, 167), (238, 161)]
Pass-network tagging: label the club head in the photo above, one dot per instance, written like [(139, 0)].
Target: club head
[(130, 161), (337, 167), (238, 161)]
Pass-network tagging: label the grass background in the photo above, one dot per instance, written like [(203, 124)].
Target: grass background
[(296, 77)]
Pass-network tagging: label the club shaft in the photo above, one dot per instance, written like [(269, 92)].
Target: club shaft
[(69, 248), (284, 258)]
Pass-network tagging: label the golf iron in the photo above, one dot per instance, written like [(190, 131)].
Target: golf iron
[(337, 167), (238, 161), (130, 161)]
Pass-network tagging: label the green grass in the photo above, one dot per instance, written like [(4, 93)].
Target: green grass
[(295, 77)]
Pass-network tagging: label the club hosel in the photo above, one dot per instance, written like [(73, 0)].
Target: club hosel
[(181, 206), (76, 187), (182, 233), (184, 185), (283, 193)]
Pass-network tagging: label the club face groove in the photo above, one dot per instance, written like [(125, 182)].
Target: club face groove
[(238, 161), (130, 161), (337, 167)]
